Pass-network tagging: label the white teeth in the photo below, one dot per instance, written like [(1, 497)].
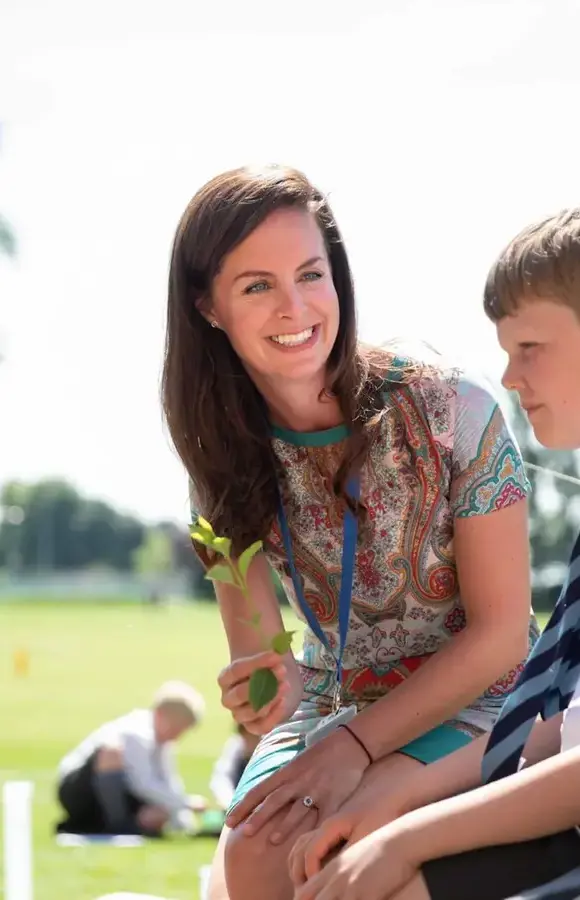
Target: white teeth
[(292, 340)]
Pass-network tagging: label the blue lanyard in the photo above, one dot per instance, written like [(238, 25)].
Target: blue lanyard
[(346, 581)]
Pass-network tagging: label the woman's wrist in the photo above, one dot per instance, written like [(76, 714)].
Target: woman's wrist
[(360, 742), (350, 749)]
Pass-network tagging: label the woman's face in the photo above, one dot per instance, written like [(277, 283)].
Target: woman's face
[(275, 299)]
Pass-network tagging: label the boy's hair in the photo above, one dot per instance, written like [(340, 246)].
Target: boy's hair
[(180, 699), (543, 261)]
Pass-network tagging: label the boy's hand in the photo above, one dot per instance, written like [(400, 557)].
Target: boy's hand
[(350, 824)]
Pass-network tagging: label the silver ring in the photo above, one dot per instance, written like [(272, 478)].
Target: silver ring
[(309, 803)]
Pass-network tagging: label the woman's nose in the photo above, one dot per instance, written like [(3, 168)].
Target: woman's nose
[(291, 302)]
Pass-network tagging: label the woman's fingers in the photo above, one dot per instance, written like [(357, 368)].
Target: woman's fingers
[(242, 711), (267, 809), (295, 817), (234, 681), (263, 721), (241, 669), (238, 695), (256, 797)]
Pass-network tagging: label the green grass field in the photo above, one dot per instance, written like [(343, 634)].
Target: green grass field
[(89, 663)]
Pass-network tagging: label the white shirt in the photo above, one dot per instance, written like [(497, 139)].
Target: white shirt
[(223, 781), (149, 766), (570, 732)]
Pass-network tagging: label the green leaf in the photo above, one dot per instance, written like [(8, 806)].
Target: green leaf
[(202, 532), (221, 572), (205, 526), (282, 642), (247, 557), (263, 688), (200, 536), (222, 545)]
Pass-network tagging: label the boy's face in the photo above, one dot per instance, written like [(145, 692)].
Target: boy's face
[(542, 341)]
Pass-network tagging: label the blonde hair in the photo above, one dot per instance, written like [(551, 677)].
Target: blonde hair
[(181, 700)]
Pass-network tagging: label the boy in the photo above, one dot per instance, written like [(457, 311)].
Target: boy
[(515, 834), (231, 764), (121, 779)]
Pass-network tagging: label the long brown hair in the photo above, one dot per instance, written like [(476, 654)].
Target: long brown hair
[(217, 419)]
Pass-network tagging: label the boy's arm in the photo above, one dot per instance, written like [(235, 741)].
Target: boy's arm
[(461, 771), (417, 804), (146, 782), (449, 776), (222, 782), (535, 802)]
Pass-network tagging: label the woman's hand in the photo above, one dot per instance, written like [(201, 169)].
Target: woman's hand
[(234, 682), (355, 820), (373, 869), (327, 774)]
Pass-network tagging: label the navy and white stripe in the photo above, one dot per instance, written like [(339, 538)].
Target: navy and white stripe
[(546, 684)]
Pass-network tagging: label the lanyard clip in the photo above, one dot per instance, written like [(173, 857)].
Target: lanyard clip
[(337, 699)]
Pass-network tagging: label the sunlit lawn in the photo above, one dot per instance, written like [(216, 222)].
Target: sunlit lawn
[(88, 664)]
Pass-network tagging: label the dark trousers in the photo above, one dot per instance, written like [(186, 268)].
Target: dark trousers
[(506, 871), (84, 815)]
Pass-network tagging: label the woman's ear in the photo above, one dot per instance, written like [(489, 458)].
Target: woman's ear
[(203, 305)]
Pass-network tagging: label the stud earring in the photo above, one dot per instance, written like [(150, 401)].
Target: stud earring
[(214, 324)]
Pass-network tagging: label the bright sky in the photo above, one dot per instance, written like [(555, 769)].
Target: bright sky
[(439, 130)]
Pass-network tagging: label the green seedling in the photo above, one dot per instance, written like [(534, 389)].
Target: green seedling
[(263, 682)]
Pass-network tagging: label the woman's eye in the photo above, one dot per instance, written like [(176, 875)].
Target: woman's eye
[(312, 276), (257, 288)]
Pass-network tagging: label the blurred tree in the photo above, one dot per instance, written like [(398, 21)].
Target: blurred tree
[(7, 238), (186, 560), (49, 525), (155, 555), (7, 242), (152, 561)]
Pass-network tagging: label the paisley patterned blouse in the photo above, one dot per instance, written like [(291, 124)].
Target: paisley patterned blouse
[(444, 451)]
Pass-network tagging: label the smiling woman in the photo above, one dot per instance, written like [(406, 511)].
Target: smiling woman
[(297, 295), (390, 498)]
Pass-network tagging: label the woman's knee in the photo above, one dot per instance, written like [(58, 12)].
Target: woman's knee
[(217, 889), (251, 862), (242, 851)]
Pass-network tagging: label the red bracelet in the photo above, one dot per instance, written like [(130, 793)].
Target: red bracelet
[(359, 742)]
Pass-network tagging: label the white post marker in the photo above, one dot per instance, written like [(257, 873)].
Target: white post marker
[(128, 896), (17, 801)]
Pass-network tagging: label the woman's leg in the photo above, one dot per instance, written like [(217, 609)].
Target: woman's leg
[(217, 881), (258, 870)]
